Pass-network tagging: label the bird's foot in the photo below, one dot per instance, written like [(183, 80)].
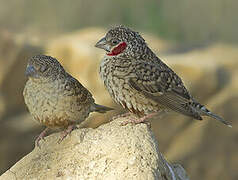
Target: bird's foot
[(41, 136), (135, 120), (66, 132), (120, 116)]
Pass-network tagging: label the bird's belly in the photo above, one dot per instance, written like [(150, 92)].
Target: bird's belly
[(130, 98), (53, 110), (120, 91)]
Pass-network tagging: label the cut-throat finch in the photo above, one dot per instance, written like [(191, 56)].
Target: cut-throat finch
[(55, 98), (141, 82)]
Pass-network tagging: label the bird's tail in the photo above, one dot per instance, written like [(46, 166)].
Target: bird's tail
[(101, 108), (205, 112)]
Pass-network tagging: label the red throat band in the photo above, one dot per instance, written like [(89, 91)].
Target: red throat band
[(118, 49)]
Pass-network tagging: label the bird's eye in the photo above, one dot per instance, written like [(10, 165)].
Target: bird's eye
[(115, 41)]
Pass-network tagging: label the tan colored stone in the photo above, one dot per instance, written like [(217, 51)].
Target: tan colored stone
[(157, 45), (205, 73), (207, 149), (209, 146), (17, 136), (110, 151), (13, 59), (179, 147), (2, 105), (223, 54)]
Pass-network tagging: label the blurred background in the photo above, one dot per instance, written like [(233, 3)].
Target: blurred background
[(198, 39)]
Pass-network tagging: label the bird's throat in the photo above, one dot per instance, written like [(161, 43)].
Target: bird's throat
[(118, 49)]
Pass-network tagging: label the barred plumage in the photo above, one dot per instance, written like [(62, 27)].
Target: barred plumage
[(54, 97), (139, 81)]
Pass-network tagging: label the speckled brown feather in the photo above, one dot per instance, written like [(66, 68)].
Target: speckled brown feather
[(139, 81), (54, 97)]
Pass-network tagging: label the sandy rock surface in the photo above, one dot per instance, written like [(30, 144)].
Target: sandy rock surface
[(110, 151), (14, 54)]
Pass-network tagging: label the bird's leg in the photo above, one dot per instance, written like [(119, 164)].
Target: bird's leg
[(67, 131), (135, 120), (121, 115), (41, 136)]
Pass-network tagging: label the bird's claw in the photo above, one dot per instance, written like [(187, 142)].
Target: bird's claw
[(134, 120), (40, 137), (65, 133), (120, 116)]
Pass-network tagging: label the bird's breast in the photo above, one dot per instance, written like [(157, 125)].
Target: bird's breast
[(115, 77), (50, 105)]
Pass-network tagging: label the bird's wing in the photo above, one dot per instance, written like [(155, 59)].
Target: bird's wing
[(161, 84), (76, 89)]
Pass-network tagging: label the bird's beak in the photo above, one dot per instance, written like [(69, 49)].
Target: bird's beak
[(102, 44), (30, 71)]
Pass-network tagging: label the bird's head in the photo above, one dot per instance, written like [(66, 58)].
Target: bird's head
[(121, 40), (42, 67)]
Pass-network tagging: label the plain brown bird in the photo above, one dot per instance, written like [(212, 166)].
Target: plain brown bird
[(55, 98), (140, 82)]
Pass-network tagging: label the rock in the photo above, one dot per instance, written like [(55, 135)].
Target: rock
[(205, 73), (220, 53), (2, 105), (13, 59), (14, 53), (110, 151), (218, 148), (19, 130), (212, 147), (178, 148), (180, 172), (207, 149), (156, 44)]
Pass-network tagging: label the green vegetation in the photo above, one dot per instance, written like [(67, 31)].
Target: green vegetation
[(188, 21)]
